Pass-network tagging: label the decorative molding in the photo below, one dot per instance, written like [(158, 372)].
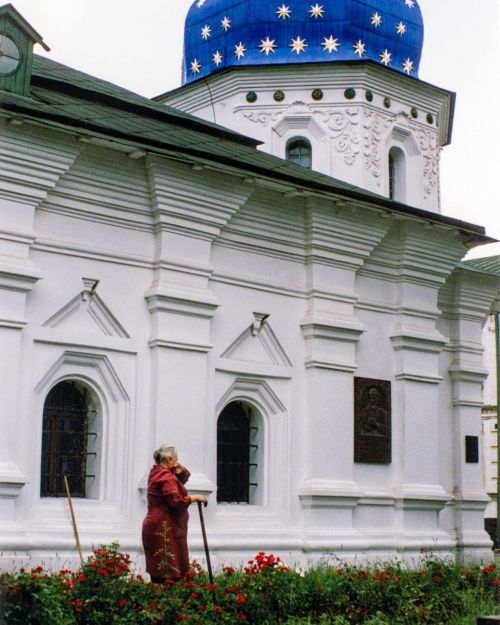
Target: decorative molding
[(428, 143), (90, 301), (180, 300), (98, 362), (190, 202), (243, 347), (344, 131), (12, 480), (259, 391), (332, 328), (374, 126), (187, 347), (298, 116), (410, 339), (321, 493)]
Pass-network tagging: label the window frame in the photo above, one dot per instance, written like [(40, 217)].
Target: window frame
[(300, 143)]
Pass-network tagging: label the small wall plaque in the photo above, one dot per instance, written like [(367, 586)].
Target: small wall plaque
[(471, 449), (372, 421)]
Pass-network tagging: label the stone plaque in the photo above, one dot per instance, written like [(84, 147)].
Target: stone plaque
[(372, 421)]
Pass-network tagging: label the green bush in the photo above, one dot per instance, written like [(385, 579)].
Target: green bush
[(104, 591)]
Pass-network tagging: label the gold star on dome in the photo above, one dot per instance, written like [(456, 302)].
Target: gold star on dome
[(385, 57), (316, 11), (240, 50), (283, 12), (217, 58), (226, 23), (376, 20), (401, 29), (195, 67), (267, 45), (410, 3), (205, 32), (408, 66), (359, 48), (298, 45), (330, 44), (200, 3)]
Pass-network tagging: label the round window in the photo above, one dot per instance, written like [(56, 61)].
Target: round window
[(10, 56)]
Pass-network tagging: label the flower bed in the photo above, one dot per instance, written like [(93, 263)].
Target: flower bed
[(104, 591)]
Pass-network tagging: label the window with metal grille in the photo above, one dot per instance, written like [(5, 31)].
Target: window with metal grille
[(236, 454), (66, 451), (299, 151)]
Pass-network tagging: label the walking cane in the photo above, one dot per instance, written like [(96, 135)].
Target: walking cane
[(75, 529), (205, 544)]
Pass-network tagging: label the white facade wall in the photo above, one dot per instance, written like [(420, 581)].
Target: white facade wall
[(148, 279)]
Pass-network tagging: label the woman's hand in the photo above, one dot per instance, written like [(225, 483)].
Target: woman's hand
[(198, 498), (178, 468)]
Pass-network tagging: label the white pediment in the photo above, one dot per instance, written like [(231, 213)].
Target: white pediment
[(258, 343), (87, 312)]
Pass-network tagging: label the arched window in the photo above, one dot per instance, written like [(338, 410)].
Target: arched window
[(69, 440), (299, 151), (237, 454), (397, 175)]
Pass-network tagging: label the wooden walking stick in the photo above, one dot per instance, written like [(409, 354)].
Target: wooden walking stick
[(205, 543), (75, 529)]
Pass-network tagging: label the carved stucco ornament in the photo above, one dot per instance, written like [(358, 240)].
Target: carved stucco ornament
[(262, 117), (427, 141), (375, 127), (344, 127)]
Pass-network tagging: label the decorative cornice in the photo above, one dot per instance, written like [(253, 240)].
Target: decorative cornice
[(321, 493), (192, 202), (185, 301), (332, 328), (417, 340)]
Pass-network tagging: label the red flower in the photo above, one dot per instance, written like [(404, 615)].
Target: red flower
[(121, 603), (241, 598), (65, 572), (488, 569), (202, 608), (228, 570), (82, 578), (181, 617), (217, 610), (242, 617), (171, 582), (194, 596), (104, 573), (436, 579), (37, 570), (78, 605), (211, 587)]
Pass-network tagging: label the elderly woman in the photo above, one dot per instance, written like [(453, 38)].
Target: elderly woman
[(164, 530)]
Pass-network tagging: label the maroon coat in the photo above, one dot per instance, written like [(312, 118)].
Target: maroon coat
[(164, 530)]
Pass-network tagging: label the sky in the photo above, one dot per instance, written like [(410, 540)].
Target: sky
[(138, 45)]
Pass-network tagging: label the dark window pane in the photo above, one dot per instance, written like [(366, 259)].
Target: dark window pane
[(300, 153), (392, 173), (64, 441), (233, 454)]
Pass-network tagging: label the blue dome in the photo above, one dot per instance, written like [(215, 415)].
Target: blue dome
[(232, 33)]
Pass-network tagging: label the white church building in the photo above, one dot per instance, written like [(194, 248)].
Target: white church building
[(275, 293)]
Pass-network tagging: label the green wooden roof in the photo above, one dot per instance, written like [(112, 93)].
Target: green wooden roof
[(488, 264), (66, 98)]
